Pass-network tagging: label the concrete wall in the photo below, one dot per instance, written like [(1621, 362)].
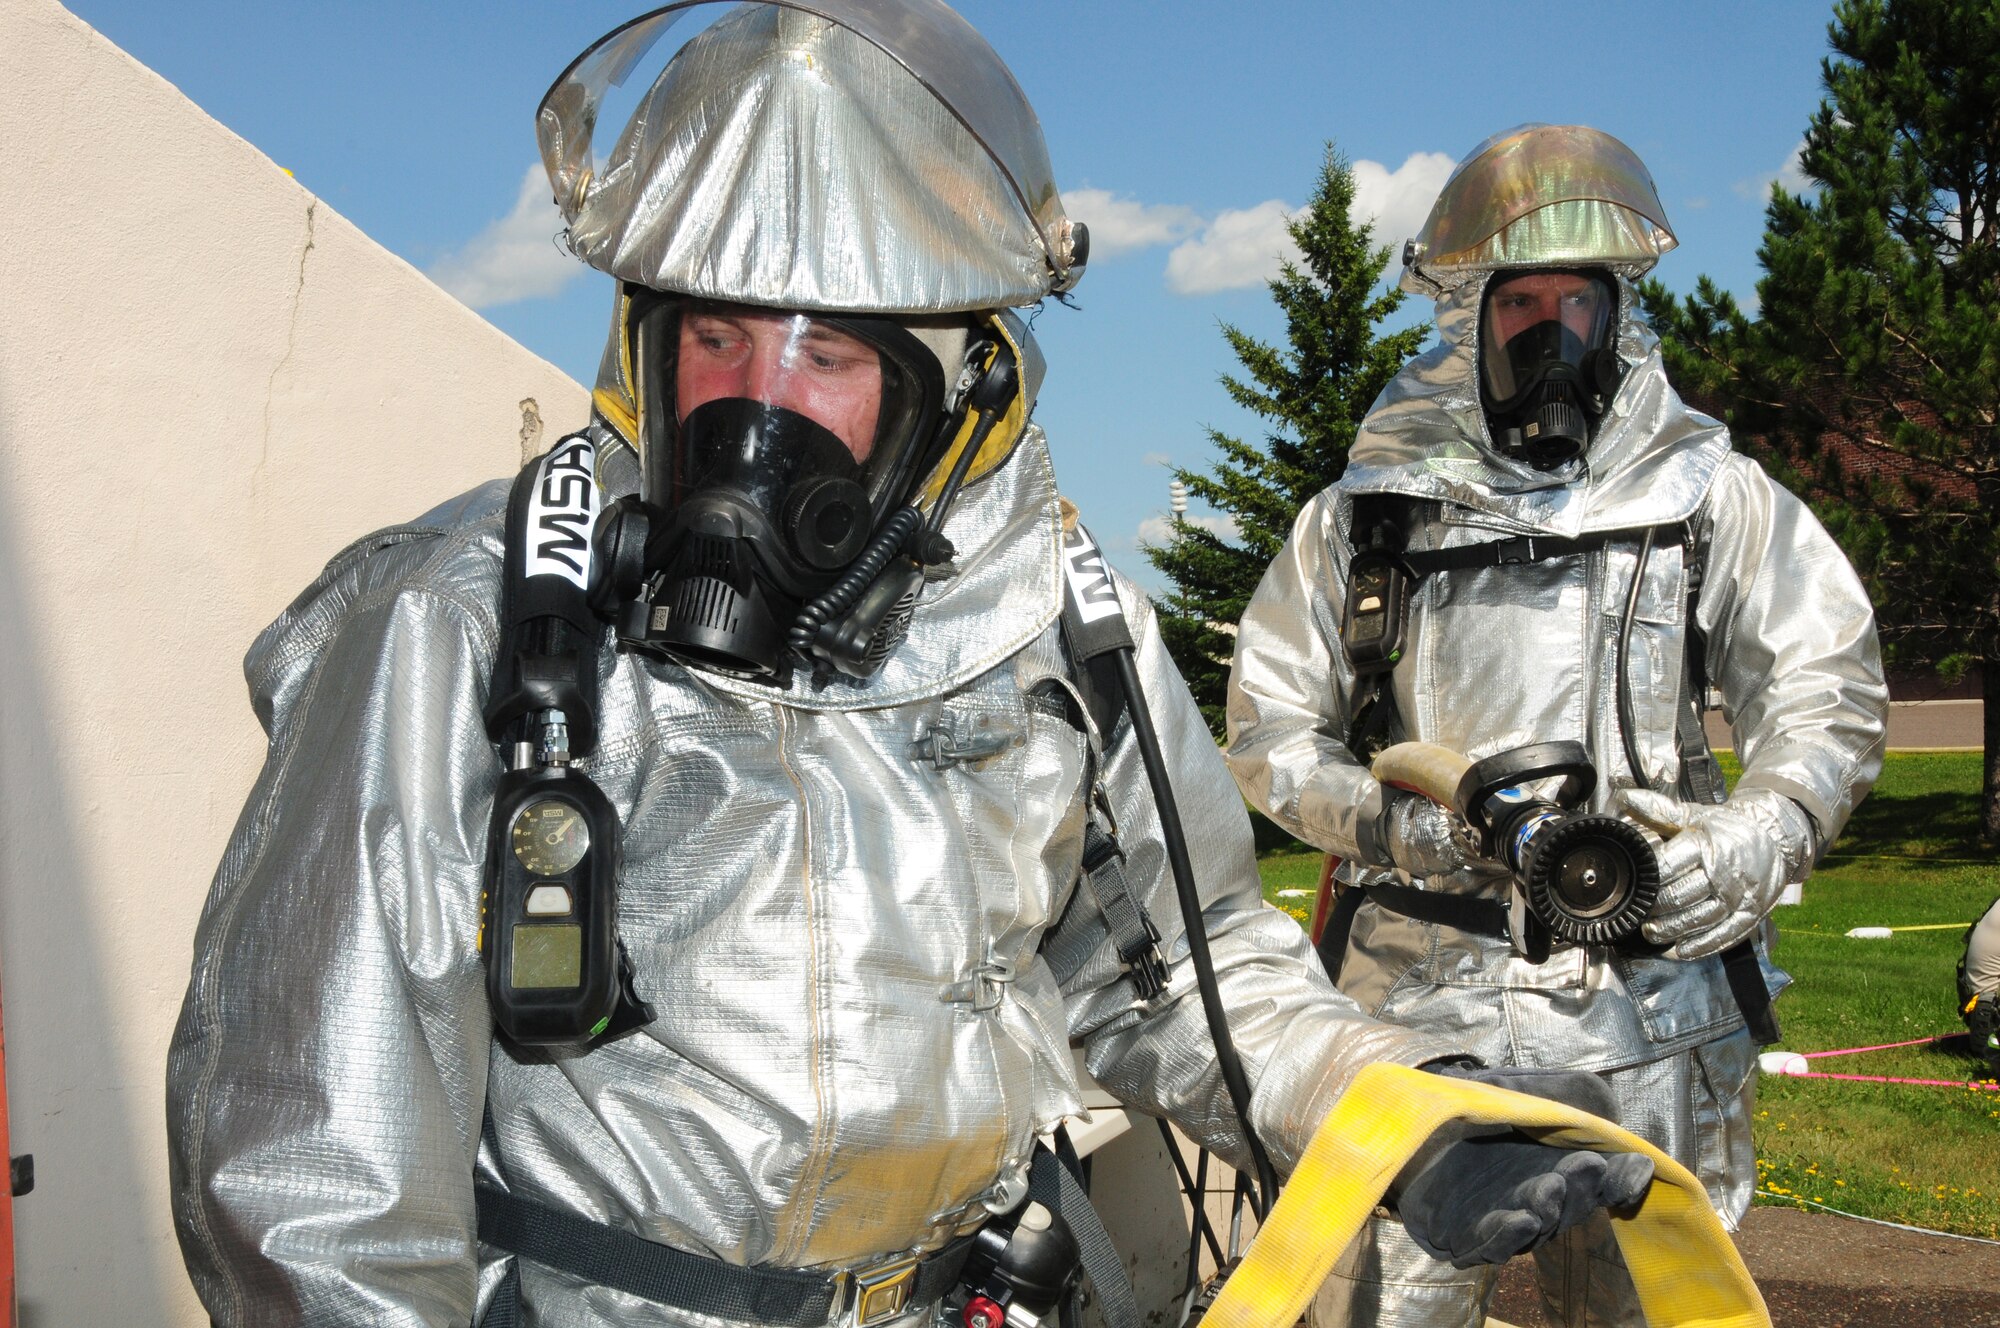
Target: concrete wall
[(209, 383)]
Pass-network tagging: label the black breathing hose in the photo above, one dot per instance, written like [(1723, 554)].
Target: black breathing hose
[(899, 532), (1739, 961), (1627, 720), (860, 574), (1175, 839), (956, 480)]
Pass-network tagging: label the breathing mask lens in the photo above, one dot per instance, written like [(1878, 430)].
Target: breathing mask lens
[(1548, 364), (775, 445)]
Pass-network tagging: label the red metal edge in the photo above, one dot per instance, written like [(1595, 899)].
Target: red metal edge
[(1323, 901), (6, 1196)]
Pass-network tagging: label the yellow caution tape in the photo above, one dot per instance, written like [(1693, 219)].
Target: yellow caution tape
[(1687, 1272)]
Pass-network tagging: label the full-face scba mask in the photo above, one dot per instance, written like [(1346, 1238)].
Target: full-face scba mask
[(796, 472), (1548, 360), (776, 446), (1551, 218), (811, 196)]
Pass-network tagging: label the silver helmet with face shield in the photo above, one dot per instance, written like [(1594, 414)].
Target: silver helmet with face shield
[(1554, 220), (814, 213)]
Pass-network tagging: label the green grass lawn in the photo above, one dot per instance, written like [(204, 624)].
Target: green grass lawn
[(1925, 1156)]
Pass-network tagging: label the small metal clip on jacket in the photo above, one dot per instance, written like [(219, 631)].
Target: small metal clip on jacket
[(946, 746), (982, 990)]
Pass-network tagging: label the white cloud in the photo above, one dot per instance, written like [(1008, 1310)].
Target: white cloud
[(1791, 175), (1396, 202), (1241, 247), (1160, 529), (518, 257), (1121, 225), (1156, 459)]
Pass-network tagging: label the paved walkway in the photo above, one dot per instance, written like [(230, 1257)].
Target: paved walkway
[(1913, 726), (1821, 1271)]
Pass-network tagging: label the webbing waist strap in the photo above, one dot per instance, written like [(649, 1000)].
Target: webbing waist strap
[(610, 1256), (1487, 917), (1499, 553)]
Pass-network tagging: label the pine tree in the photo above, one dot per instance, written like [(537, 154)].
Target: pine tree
[(1870, 378), (1314, 392)]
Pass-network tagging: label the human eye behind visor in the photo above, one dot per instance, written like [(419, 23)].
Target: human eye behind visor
[(774, 446)]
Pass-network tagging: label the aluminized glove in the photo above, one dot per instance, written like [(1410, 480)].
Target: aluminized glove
[(1421, 837), (1723, 867), (1471, 1199)]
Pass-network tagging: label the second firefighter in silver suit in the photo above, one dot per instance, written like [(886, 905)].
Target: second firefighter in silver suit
[(1536, 241)]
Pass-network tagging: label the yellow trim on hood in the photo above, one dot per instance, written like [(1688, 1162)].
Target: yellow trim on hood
[(618, 401), (1000, 443)]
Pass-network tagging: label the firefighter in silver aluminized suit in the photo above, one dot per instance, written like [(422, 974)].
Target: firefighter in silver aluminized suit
[(836, 883), (1544, 415)]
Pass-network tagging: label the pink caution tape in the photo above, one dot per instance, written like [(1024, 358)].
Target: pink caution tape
[(1891, 1079), (1886, 1046)]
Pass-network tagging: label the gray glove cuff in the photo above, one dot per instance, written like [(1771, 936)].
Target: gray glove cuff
[(1371, 824)]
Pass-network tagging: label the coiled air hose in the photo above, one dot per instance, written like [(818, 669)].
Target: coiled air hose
[(860, 574)]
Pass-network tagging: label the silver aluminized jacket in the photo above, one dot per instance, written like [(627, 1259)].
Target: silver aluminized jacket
[(1500, 657), (856, 1033)]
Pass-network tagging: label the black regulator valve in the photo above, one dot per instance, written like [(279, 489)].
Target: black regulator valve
[(1021, 1268), (1579, 877)]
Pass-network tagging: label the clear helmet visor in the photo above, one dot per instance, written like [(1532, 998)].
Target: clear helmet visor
[(809, 427), (1543, 325)]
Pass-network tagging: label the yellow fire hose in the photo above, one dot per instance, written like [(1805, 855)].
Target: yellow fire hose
[(1686, 1271)]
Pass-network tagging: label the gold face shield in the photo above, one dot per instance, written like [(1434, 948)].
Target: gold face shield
[(1541, 196)]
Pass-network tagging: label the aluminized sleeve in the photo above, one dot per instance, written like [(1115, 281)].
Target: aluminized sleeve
[(326, 1078), (1301, 1041), (1291, 695), (1791, 644)]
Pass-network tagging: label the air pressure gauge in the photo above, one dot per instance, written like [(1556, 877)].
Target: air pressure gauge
[(550, 837), (554, 972)]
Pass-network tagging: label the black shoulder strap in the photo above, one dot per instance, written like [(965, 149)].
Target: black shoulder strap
[(549, 637), (1701, 778), (1093, 625)]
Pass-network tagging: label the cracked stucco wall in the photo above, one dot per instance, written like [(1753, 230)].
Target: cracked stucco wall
[(210, 381)]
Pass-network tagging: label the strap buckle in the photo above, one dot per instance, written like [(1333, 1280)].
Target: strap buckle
[(1516, 550), (1144, 962), (882, 1290)]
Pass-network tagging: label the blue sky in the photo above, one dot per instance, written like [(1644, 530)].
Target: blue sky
[(1180, 131)]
